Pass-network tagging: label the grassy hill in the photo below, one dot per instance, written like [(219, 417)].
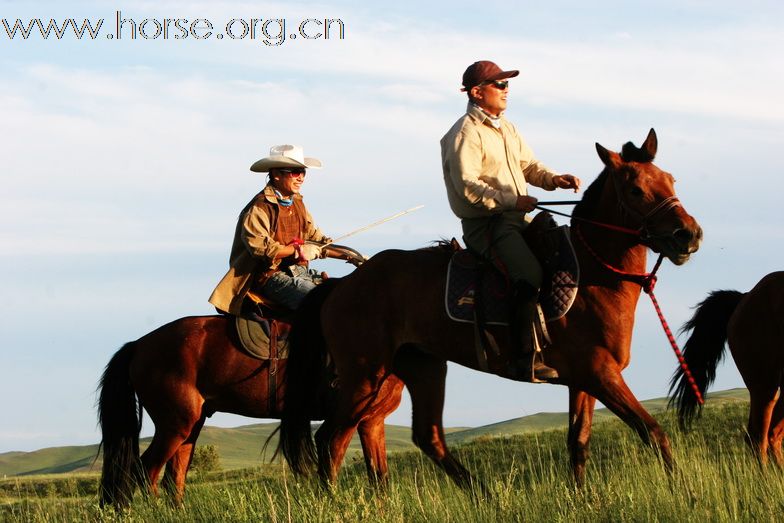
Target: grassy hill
[(522, 477), (241, 447)]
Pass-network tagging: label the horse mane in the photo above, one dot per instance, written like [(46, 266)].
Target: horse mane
[(442, 244)]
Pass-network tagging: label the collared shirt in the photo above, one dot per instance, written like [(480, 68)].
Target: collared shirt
[(487, 168)]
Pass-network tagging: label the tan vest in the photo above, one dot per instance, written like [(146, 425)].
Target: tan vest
[(290, 224)]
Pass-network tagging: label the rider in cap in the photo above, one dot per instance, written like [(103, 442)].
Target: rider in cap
[(487, 168)]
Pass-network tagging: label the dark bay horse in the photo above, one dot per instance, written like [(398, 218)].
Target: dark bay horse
[(182, 373), (752, 324), (386, 322)]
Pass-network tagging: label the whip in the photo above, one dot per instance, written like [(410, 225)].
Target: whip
[(375, 224)]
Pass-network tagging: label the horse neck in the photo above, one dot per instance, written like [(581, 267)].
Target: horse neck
[(621, 250)]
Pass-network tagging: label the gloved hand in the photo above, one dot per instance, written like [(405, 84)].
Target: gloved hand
[(309, 251)]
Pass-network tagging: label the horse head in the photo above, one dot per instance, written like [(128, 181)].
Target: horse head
[(647, 201)]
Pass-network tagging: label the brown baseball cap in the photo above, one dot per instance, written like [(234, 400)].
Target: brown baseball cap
[(484, 71)]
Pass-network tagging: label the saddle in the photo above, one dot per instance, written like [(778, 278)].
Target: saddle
[(263, 332), (472, 279)]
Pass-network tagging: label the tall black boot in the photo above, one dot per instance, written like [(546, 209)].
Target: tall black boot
[(528, 367)]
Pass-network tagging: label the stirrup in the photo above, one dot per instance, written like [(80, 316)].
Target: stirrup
[(541, 373), (533, 372), (531, 367)]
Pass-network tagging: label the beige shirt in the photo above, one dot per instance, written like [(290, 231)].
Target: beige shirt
[(486, 169)]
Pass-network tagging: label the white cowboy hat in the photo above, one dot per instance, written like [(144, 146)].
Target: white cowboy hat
[(283, 156)]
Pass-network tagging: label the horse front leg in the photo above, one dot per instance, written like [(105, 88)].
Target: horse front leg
[(581, 407), (613, 391)]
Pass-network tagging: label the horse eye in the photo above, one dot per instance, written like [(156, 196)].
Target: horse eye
[(636, 191)]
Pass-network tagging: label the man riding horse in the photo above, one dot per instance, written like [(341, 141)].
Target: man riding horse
[(272, 241), (487, 167)]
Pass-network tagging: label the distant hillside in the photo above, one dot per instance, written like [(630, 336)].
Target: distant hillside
[(554, 420), (241, 447), (238, 447)]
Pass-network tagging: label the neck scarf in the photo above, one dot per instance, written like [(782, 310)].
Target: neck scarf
[(495, 121), (285, 202)]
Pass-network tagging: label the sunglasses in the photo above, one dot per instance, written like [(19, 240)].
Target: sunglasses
[(498, 84), (294, 173)]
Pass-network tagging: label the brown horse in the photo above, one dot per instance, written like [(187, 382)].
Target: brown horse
[(753, 326), (386, 322), (182, 373)]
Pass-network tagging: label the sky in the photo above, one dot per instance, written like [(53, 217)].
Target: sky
[(126, 161)]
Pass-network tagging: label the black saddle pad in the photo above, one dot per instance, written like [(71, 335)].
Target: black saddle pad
[(463, 278), (553, 248)]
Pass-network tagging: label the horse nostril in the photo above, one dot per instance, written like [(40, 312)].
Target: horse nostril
[(683, 235)]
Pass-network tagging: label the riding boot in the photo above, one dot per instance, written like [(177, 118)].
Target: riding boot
[(529, 366)]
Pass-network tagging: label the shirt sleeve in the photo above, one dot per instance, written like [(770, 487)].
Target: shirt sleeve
[(256, 234), (464, 159)]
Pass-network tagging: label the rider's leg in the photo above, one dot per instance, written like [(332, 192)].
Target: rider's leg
[(501, 240), (288, 288)]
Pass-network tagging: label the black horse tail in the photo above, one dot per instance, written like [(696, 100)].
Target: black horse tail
[(120, 418), (703, 352), (306, 376)]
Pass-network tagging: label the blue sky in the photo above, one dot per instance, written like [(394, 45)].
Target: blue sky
[(126, 162)]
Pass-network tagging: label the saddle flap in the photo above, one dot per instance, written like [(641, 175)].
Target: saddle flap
[(551, 245), (554, 250), (264, 339)]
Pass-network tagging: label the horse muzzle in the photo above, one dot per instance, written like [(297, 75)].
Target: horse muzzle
[(678, 245)]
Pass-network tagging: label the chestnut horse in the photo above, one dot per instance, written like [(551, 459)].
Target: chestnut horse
[(386, 322), (753, 326), (182, 373)]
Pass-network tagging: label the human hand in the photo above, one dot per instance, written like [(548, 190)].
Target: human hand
[(309, 251), (567, 181), (526, 203)]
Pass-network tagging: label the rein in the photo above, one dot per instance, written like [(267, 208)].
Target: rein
[(645, 280), (617, 228)]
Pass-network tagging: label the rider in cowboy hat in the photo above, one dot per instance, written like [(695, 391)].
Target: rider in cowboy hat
[(270, 255)]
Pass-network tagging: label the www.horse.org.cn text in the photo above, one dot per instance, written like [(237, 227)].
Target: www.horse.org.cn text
[(268, 31)]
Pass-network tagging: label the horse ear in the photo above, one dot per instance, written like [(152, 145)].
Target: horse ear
[(609, 158), (651, 144)]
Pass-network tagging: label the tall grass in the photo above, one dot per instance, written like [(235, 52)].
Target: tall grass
[(528, 479)]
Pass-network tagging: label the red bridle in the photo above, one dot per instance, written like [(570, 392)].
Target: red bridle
[(645, 280)]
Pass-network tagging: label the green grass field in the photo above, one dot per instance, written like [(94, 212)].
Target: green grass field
[(527, 476), (241, 447)]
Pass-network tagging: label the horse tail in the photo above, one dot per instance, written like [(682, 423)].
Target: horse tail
[(305, 380), (120, 418), (703, 352)]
